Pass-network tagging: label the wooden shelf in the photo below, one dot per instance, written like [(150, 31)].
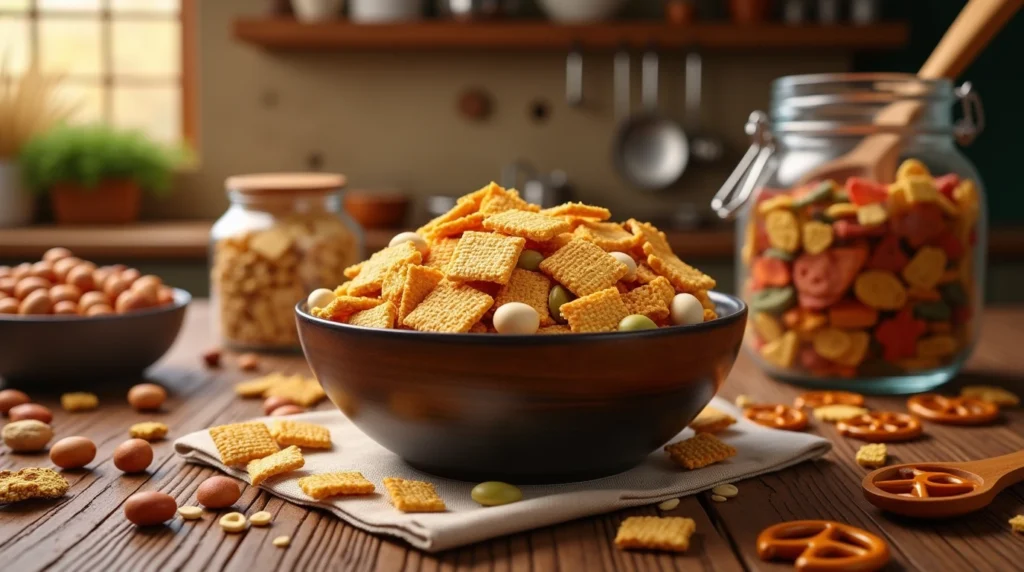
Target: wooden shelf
[(288, 34)]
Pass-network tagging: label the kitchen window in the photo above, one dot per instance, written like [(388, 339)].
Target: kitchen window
[(128, 63)]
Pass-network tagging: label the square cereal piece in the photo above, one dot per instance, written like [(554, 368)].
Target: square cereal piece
[(325, 485), (304, 391), (608, 235), (663, 261), (534, 226), (647, 233), (458, 226), (413, 496), (460, 210), (485, 257), (370, 279), (700, 451), (394, 282), (239, 443), (301, 434), (451, 307), (578, 210), (644, 274), (31, 483), (872, 456), (79, 401), (1016, 523), (283, 461), (668, 533), (530, 288), (148, 430), (498, 200), (711, 420), (342, 307), (651, 299), (353, 271), (257, 387), (704, 299), (342, 289), (420, 283), (555, 329), (441, 251), (583, 267), (476, 198), (383, 317), (710, 315), (838, 412), (599, 312)]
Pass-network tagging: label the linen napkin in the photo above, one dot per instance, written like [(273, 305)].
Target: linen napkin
[(760, 450)]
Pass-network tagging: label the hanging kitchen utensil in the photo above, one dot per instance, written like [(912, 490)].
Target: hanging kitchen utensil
[(574, 78), (651, 150), (705, 147), (544, 189)]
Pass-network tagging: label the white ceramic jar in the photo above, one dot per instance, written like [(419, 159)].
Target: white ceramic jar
[(384, 11), (311, 11), (16, 205)]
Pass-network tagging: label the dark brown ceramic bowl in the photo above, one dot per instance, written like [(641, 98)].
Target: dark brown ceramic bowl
[(547, 408), (41, 351)]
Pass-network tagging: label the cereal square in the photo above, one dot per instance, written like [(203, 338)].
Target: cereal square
[(460, 210), (257, 387), (306, 392), (555, 329), (578, 210), (413, 496), (79, 401), (32, 483), (485, 257), (700, 451), (325, 485), (583, 267), (383, 316), (872, 456), (441, 251), (342, 307), (651, 299), (608, 235), (711, 420), (534, 226), (301, 434), (283, 461), (668, 533), (148, 430), (370, 279), (599, 312), (421, 282), (664, 262), (835, 413), (499, 200), (1016, 523), (457, 227), (645, 275), (992, 394), (394, 282), (451, 307), (239, 443), (530, 288)]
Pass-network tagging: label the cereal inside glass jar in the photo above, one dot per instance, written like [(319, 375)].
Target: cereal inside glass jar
[(283, 236)]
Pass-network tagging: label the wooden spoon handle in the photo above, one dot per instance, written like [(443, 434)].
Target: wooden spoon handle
[(996, 468), (972, 30)]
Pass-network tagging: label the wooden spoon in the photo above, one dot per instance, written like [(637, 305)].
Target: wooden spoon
[(942, 490), (876, 156)]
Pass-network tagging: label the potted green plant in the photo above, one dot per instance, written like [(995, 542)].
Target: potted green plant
[(96, 174)]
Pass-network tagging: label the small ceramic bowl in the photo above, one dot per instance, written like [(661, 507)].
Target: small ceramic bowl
[(523, 409), (39, 350)]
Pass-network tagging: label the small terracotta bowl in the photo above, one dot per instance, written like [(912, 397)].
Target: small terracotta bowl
[(523, 409), (377, 209)]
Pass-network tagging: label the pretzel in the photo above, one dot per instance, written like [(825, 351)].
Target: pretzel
[(814, 399), (777, 416), (881, 427), (922, 483), (953, 410), (822, 545)]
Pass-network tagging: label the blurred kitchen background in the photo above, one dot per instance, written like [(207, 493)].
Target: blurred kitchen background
[(451, 94)]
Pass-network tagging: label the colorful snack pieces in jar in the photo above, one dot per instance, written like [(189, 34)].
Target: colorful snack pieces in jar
[(497, 264), (863, 279)]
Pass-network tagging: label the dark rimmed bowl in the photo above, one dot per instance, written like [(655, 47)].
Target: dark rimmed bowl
[(524, 409), (37, 351)]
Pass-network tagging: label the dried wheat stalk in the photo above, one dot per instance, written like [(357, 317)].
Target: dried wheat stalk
[(28, 106)]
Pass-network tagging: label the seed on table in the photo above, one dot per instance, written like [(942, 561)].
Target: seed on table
[(150, 508), (282, 541), (133, 456), (261, 518), (27, 435), (248, 362), (728, 491), (212, 358), (190, 512), (233, 522), (10, 398), (718, 498), (218, 492), (73, 452), (495, 493), (669, 504), (147, 396), (287, 410), (275, 401)]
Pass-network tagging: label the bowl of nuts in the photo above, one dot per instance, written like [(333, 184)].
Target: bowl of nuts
[(64, 317)]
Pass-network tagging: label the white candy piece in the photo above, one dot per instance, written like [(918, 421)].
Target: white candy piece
[(516, 318), (686, 309), (319, 298), (629, 262), (418, 241)]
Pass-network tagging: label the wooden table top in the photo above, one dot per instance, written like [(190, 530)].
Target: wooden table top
[(86, 530)]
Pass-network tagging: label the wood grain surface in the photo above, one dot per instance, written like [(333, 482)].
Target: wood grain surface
[(86, 529)]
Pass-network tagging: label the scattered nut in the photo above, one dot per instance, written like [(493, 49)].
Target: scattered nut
[(282, 541), (287, 410), (249, 362), (10, 398), (147, 396), (212, 358), (150, 508), (261, 518), (669, 504), (190, 512), (36, 303), (9, 305), (90, 299), (743, 401), (30, 411), (133, 456), (728, 491), (99, 310), (73, 452), (29, 285), (233, 522), (718, 498), (27, 436), (218, 492), (65, 308), (274, 402), (56, 253)]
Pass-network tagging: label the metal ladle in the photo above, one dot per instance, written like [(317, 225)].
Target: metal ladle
[(706, 148)]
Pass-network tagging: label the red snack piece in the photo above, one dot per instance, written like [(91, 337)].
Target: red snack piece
[(810, 360), (899, 335), (921, 224), (770, 272), (822, 279), (951, 245), (947, 183), (847, 229), (852, 315), (864, 192), (889, 255)]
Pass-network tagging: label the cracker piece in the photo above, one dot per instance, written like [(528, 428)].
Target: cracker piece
[(499, 200), (304, 391), (485, 257), (1017, 524), (285, 460), (477, 197), (583, 267), (534, 226), (420, 283), (668, 533), (704, 299), (530, 288), (383, 317), (458, 226), (663, 261), (700, 451), (836, 413), (992, 394), (323, 485), (342, 307), (710, 315), (257, 387), (148, 430), (711, 420), (353, 271), (599, 312), (441, 251), (239, 443), (451, 307), (872, 456), (300, 433), (555, 329), (394, 282), (578, 210), (610, 236), (651, 300), (342, 289), (460, 210), (413, 496), (31, 483), (79, 401), (370, 279), (645, 275), (555, 244)]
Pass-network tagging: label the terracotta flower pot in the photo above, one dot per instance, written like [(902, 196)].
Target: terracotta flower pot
[(112, 202)]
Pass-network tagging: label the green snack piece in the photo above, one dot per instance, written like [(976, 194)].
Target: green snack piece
[(558, 296), (840, 196), (773, 300), (495, 493), (821, 216), (636, 322), (953, 293), (778, 253), (530, 260), (933, 311), (821, 192)]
